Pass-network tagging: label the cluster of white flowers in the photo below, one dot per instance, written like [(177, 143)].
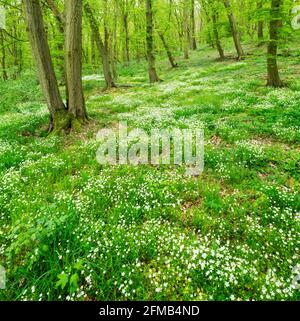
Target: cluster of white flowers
[(250, 152), (287, 134)]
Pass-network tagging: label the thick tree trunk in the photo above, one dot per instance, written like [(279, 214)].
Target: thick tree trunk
[(101, 47), (43, 60), (3, 56), (150, 54), (73, 59), (168, 51), (234, 31), (193, 25), (273, 73), (217, 39)]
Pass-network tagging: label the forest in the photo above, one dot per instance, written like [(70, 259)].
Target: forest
[(75, 229)]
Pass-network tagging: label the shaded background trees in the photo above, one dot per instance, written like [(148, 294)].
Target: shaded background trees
[(118, 33)]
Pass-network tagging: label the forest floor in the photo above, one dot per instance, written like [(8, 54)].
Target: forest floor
[(73, 229)]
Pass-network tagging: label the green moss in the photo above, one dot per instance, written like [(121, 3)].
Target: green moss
[(62, 122)]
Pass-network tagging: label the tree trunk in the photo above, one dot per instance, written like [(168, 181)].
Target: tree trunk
[(43, 60), (168, 51), (60, 46), (101, 47), (15, 54), (73, 60), (194, 42), (58, 15), (233, 26), (3, 58), (150, 54), (275, 22), (20, 62), (209, 35), (93, 53), (186, 33), (125, 21), (217, 39), (260, 25), (114, 49)]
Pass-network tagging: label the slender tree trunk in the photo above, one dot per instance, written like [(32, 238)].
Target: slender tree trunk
[(93, 53), (61, 65), (168, 51), (234, 31), (43, 60), (107, 43), (3, 56), (127, 55), (186, 33), (60, 46), (209, 39), (150, 52), (273, 73), (15, 54), (193, 25), (139, 44), (260, 31), (73, 58), (101, 46), (114, 55), (58, 15), (20, 62), (260, 25), (242, 23), (217, 39)]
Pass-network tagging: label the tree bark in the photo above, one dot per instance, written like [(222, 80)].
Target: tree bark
[(101, 46), (114, 49), (260, 24), (275, 22), (193, 25), (73, 60), (217, 39), (93, 53), (127, 55), (43, 60), (61, 26), (15, 54), (234, 31), (209, 35), (149, 38), (58, 15), (186, 33), (3, 56), (168, 51)]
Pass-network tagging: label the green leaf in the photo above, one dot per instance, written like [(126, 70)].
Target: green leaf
[(63, 280), (74, 282)]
